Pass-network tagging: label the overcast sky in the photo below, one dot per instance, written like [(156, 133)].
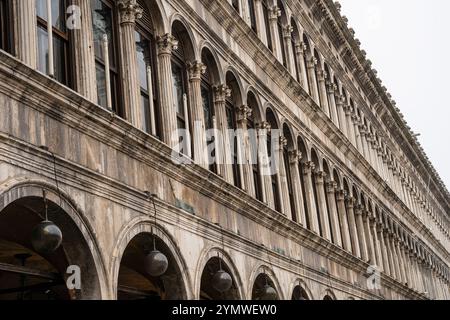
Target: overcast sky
[(408, 43)]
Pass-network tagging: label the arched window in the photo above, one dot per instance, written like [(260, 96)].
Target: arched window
[(304, 153), (146, 57), (271, 149), (58, 50), (318, 66), (252, 14), (295, 41), (281, 22), (105, 29), (267, 23), (287, 166), (306, 56), (253, 105), (5, 26)]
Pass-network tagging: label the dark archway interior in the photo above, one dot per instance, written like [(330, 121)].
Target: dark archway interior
[(135, 283), (260, 282), (207, 291), (327, 298), (299, 294), (28, 275)]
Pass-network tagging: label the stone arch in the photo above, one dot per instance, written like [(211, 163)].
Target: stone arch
[(263, 269), (234, 84), (214, 252), (145, 225), (289, 135), (302, 287), (304, 149), (158, 15), (337, 178), (272, 116), (327, 169), (254, 102), (356, 194), (182, 31), (213, 66), (315, 158), (328, 294), (72, 217)]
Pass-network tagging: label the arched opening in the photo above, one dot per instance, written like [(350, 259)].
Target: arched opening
[(304, 158), (328, 82), (29, 267), (281, 23), (142, 275), (288, 147), (252, 14), (266, 22), (6, 27), (296, 41), (252, 103), (217, 282), (314, 173), (264, 288), (272, 149), (307, 57), (300, 293), (317, 70), (327, 298)]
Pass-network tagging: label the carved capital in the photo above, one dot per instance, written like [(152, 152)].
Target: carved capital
[(263, 128), (244, 113), (129, 11), (308, 167), (294, 156), (166, 44), (221, 93), (331, 187), (287, 31), (274, 13), (196, 69)]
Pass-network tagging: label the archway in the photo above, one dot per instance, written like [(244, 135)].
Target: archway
[(264, 288), (218, 282), (300, 293)]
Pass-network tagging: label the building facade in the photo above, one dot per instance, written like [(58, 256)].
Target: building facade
[(91, 108)]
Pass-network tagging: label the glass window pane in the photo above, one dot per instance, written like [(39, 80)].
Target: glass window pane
[(101, 85), (177, 81), (141, 49), (102, 20), (59, 59), (145, 112), (42, 40), (58, 13)]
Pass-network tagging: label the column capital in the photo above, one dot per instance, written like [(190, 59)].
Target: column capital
[(331, 88), (320, 176), (196, 69), (300, 48), (350, 202), (129, 11), (274, 13), (283, 142), (321, 74), (287, 31), (166, 44), (341, 195), (244, 113), (263, 126), (221, 92), (294, 156), (308, 167), (311, 63), (331, 187)]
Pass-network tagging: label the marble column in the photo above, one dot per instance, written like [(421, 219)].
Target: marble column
[(369, 238), (129, 11), (287, 39), (376, 244), (25, 31), (395, 258), (84, 55), (300, 49), (264, 164), (298, 211), (383, 248), (283, 190), (169, 133), (331, 89), (223, 143), (343, 220), (321, 77), (350, 126), (196, 69), (314, 90), (243, 114), (332, 210), (361, 233), (390, 254), (259, 17), (341, 115), (352, 226), (321, 201), (274, 15), (308, 168), (401, 262)]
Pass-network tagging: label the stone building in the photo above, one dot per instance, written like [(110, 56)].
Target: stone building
[(89, 105)]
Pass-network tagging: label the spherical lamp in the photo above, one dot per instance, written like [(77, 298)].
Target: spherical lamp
[(156, 263), (46, 237), (268, 293), (222, 281)]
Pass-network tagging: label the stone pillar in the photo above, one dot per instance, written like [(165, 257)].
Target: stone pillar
[(331, 89), (357, 133), (383, 248), (299, 210), (300, 49), (376, 244), (129, 11), (264, 164), (350, 126), (343, 221), (259, 17), (274, 15), (369, 238), (223, 143), (361, 235), (287, 39), (401, 262), (341, 115), (308, 167), (334, 219), (196, 69), (283, 189), (314, 90), (321, 201), (395, 258), (389, 253), (364, 144), (84, 55), (243, 113), (321, 77), (352, 226), (25, 31), (166, 44)]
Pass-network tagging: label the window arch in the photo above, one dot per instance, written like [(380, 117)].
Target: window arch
[(6, 38), (53, 43), (236, 5)]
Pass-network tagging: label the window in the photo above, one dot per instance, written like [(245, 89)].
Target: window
[(146, 74), (104, 26), (280, 33), (5, 26), (289, 181), (208, 111), (267, 23), (231, 125), (58, 68), (274, 181), (254, 153), (252, 14)]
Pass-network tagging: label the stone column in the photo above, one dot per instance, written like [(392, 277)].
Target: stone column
[(401, 262), (300, 49), (383, 248), (166, 44), (25, 31), (264, 164), (321, 201), (357, 133), (343, 221), (334, 219), (308, 167), (341, 115), (298, 211), (376, 244), (395, 257), (274, 15), (223, 144), (389, 253), (84, 55), (243, 113), (352, 226), (259, 17), (196, 69), (314, 90), (361, 235), (287, 38), (364, 144), (283, 190), (350, 126), (369, 238), (331, 89), (321, 77), (129, 11)]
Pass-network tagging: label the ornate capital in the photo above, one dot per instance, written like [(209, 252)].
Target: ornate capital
[(221, 93), (300, 48), (308, 167), (274, 13), (129, 11), (283, 142), (166, 44), (196, 69), (351, 202), (263, 127), (294, 156), (331, 186), (244, 113), (312, 62), (341, 195), (287, 31)]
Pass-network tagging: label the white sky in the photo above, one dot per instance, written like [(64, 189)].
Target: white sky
[(408, 43)]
